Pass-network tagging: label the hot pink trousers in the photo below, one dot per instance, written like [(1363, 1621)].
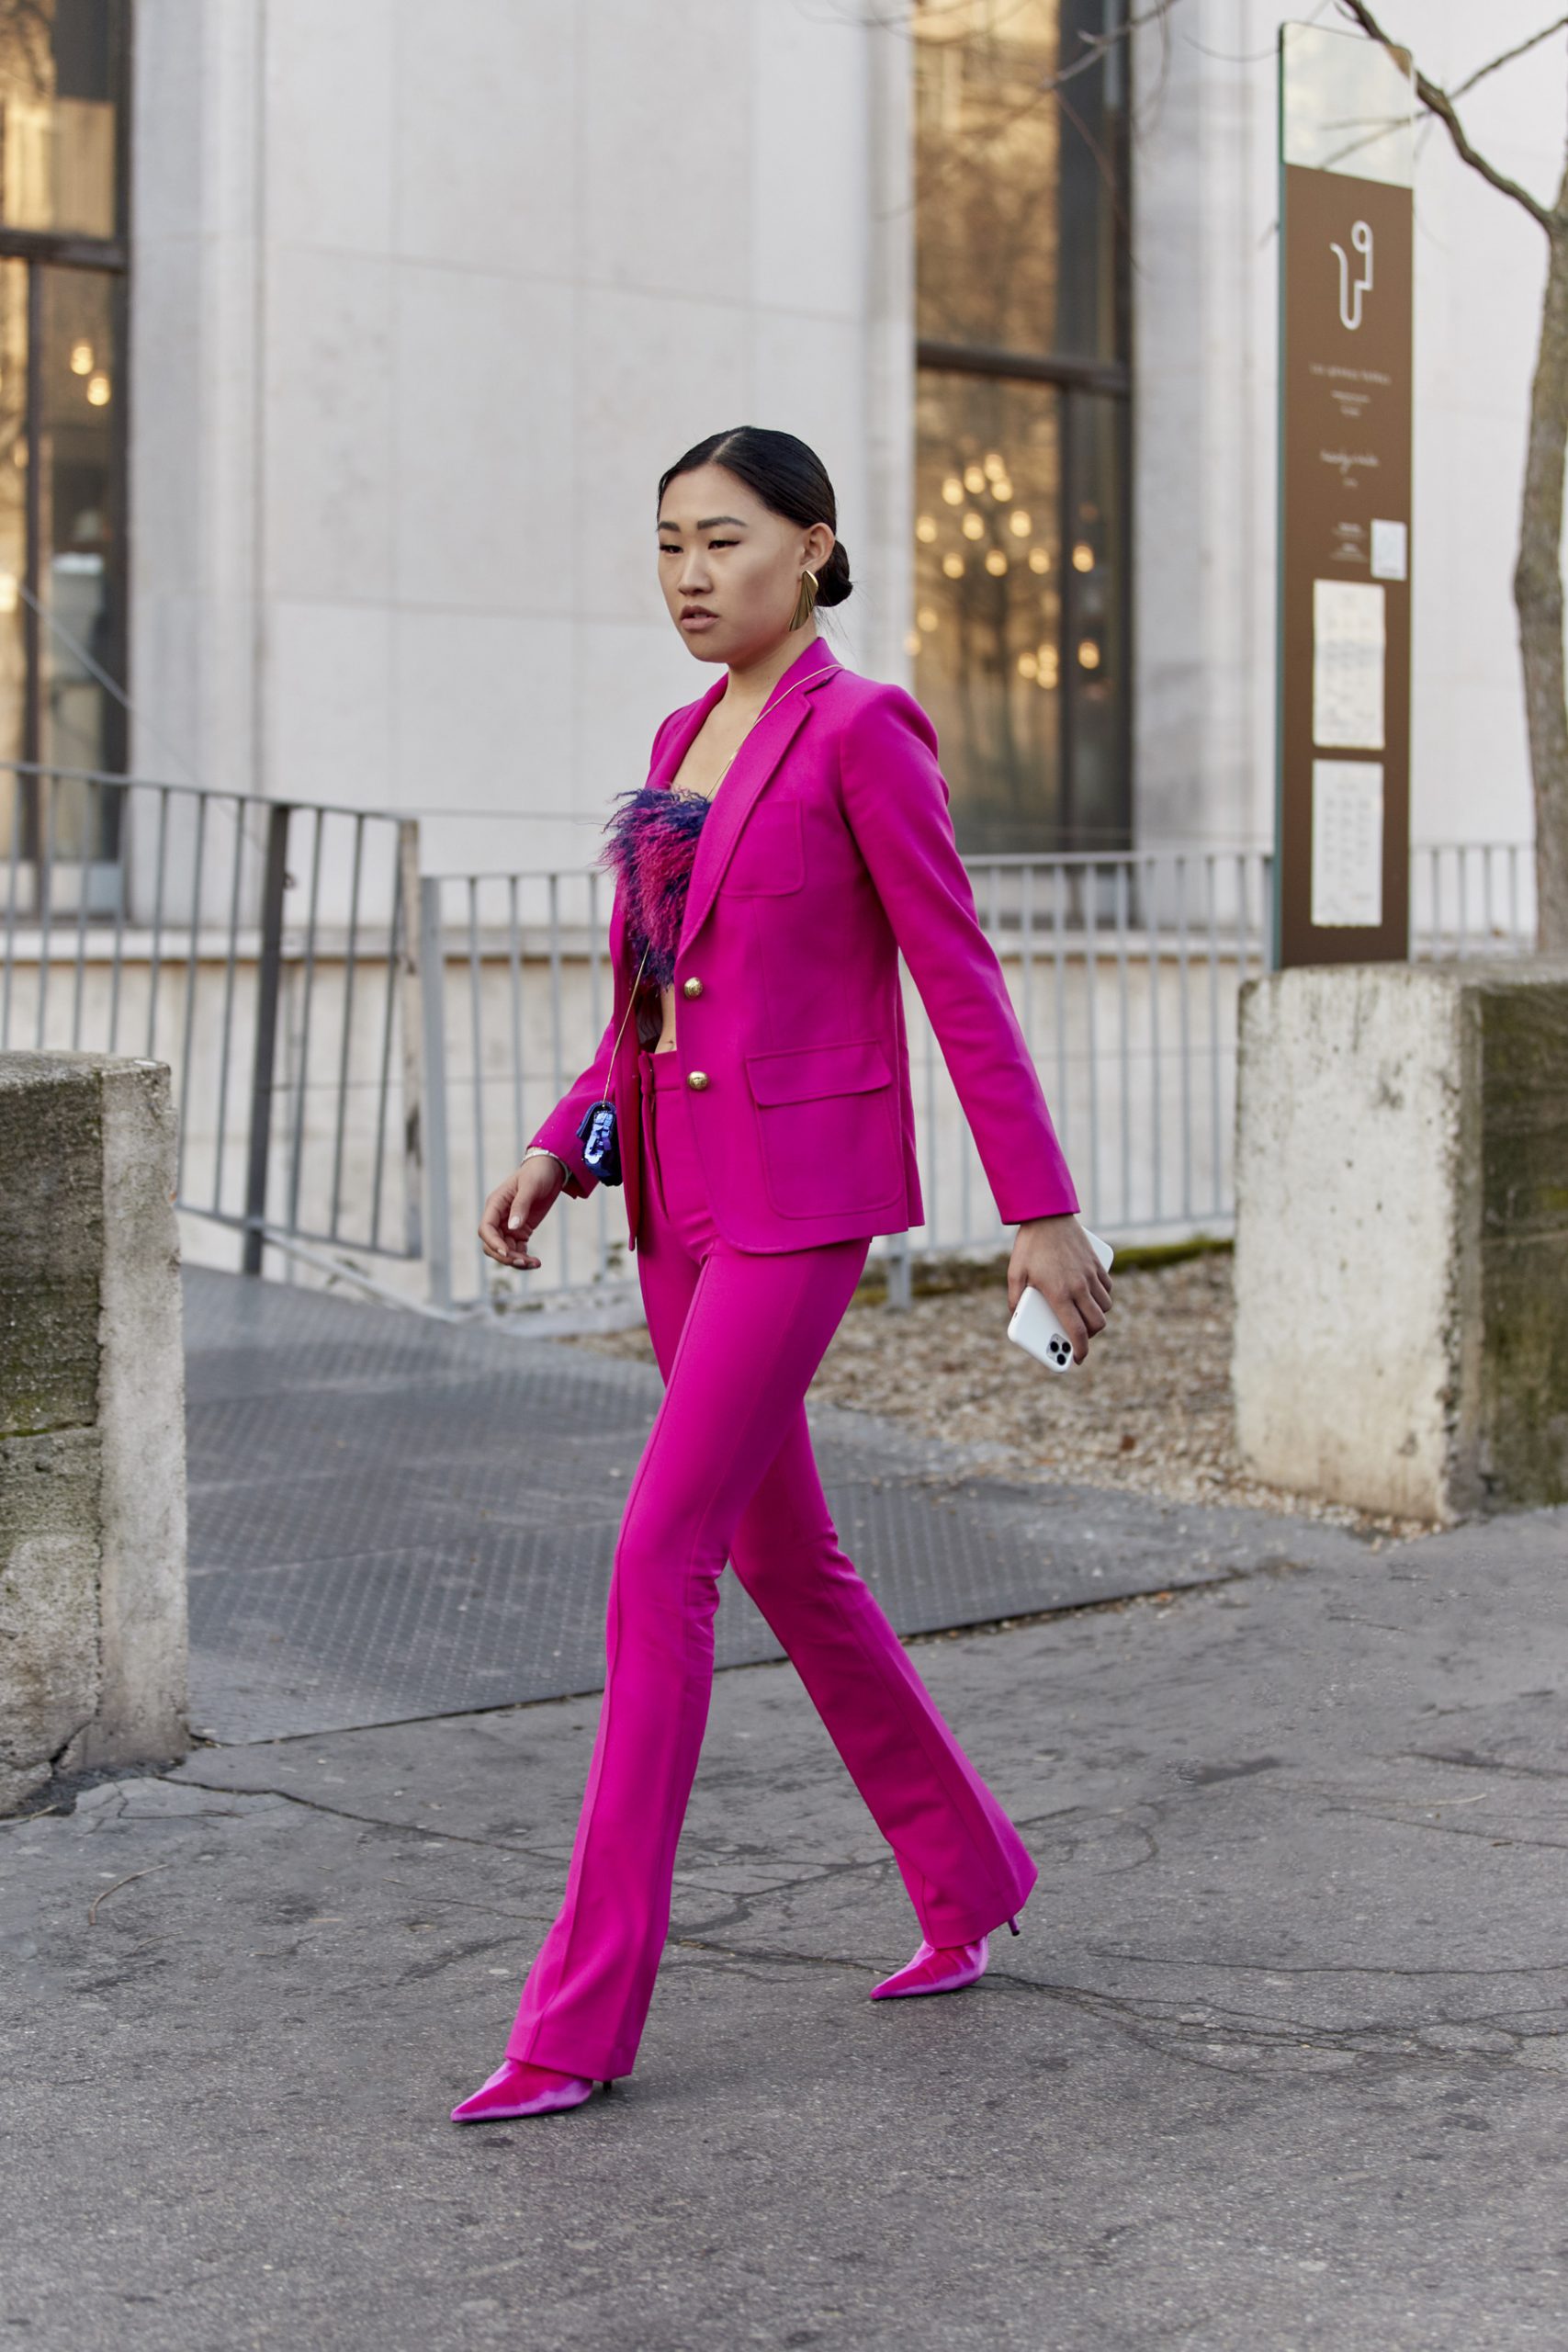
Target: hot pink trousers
[(727, 1473)]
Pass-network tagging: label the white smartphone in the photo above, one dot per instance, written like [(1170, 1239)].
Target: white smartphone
[(1035, 1326)]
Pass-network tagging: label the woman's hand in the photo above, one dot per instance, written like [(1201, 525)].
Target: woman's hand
[(517, 1208), (1052, 1255)]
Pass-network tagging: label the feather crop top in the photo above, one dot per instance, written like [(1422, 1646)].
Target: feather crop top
[(652, 840)]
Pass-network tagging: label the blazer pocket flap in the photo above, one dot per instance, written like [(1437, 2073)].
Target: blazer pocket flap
[(803, 1072)]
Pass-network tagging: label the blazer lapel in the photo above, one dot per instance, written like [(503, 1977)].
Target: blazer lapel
[(750, 771), (753, 765)]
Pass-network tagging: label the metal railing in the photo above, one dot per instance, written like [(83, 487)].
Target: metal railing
[(1124, 971), (360, 1052), (260, 948), (1471, 898)]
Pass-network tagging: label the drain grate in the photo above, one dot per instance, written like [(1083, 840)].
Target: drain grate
[(391, 1518)]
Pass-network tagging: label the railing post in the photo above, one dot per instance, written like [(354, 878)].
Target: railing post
[(412, 1025), (432, 978), (268, 978), (899, 1264)]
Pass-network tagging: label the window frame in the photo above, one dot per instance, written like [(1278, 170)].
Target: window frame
[(42, 249), (1078, 380)]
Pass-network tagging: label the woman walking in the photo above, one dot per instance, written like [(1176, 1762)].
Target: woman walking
[(793, 836)]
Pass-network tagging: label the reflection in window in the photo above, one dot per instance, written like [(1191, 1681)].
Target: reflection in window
[(1020, 633), (1017, 193), (58, 69), (77, 446), (988, 600), (61, 442), (1095, 666)]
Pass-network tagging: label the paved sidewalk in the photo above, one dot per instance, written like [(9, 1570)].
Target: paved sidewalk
[(1281, 2060)]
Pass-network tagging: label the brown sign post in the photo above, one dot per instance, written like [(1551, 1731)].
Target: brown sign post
[(1342, 862)]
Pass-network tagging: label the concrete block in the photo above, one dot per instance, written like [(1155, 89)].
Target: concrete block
[(50, 1248), (141, 1710), (1401, 1235), (93, 1641), (50, 1672)]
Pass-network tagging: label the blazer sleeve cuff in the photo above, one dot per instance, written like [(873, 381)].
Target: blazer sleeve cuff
[(559, 1134), (1056, 1198)]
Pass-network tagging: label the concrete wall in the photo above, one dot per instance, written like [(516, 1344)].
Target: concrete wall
[(1401, 1236), (91, 1432), (424, 299), (425, 302), (1205, 207)]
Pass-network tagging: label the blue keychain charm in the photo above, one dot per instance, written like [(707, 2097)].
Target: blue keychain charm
[(597, 1130), (601, 1144)]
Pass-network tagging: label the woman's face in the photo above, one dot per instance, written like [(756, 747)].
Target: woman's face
[(731, 568)]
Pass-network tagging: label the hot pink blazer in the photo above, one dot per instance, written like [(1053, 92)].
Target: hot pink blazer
[(827, 848)]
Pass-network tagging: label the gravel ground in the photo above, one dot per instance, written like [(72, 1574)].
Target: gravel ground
[(1150, 1411)]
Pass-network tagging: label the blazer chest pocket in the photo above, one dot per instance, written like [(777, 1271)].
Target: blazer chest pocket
[(769, 859), (829, 1128)]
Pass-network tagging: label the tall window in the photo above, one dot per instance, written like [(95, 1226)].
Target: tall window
[(62, 285), (1021, 418)]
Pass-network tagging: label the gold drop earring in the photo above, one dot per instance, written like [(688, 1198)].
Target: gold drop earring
[(806, 603)]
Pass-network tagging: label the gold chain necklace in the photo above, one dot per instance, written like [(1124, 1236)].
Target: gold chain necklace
[(764, 713), (710, 797)]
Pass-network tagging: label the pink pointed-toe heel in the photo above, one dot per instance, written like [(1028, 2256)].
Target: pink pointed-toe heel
[(517, 2088), (938, 1968)]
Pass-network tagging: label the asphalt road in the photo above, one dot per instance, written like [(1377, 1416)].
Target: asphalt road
[(1279, 2061)]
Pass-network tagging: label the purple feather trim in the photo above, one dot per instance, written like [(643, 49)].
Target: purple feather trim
[(652, 840)]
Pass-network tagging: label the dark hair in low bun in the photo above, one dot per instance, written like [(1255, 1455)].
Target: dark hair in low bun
[(789, 479), (833, 582)]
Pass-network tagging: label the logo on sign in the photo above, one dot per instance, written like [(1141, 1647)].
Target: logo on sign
[(1352, 288)]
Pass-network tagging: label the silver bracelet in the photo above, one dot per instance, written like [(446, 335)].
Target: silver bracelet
[(543, 1151)]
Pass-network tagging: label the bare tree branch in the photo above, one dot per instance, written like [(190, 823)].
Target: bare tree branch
[(1439, 103), (1538, 593), (1093, 48), (1096, 48), (1507, 57), (1096, 45), (1537, 572)]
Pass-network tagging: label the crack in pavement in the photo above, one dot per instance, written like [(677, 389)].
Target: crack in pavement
[(1322, 1968), (823, 1874), (1228, 2037), (1247, 2032), (1235, 2042), (1177, 2034), (369, 1820), (773, 1958), (1196, 2041), (1470, 1760), (814, 1874), (1449, 1829)]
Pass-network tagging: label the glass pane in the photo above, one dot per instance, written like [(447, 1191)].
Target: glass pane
[(1017, 193), (1096, 800), (13, 534), (1346, 104), (78, 384), (57, 115), (988, 602)]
